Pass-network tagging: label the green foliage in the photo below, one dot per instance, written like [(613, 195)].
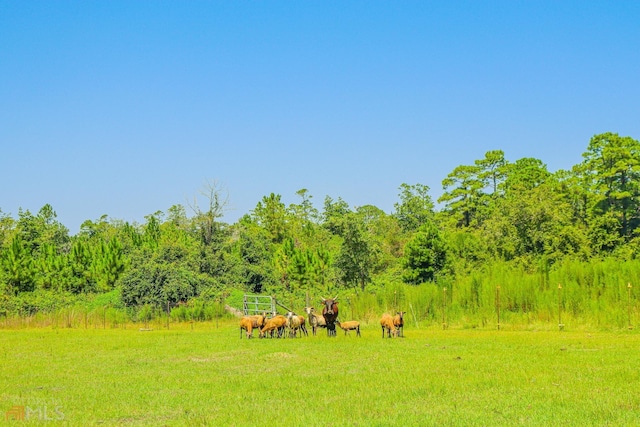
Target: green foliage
[(112, 298), (7, 228), (604, 233), (299, 269), (466, 250), (415, 207), (39, 301), (151, 234), (271, 214), (235, 298), (356, 258), (41, 228), (425, 255), (108, 264), (17, 265), (612, 170), (251, 257), (305, 212), (333, 215), (157, 285), (527, 223), (525, 174), (463, 194), (492, 169)]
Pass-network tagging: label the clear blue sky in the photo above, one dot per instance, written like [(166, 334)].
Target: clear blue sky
[(124, 108)]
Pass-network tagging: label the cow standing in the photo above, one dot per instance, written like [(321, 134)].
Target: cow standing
[(330, 313)]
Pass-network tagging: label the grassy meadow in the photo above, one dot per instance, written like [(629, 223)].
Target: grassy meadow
[(202, 374)]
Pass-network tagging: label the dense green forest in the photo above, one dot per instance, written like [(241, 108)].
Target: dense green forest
[(512, 224)]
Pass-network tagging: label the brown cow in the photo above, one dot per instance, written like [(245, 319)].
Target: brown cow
[(330, 313)]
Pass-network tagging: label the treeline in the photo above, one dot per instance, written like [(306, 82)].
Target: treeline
[(514, 224)]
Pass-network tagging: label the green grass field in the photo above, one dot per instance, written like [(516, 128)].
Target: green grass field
[(208, 376)]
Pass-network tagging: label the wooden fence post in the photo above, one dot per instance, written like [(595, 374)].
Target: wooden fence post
[(629, 305), (444, 308), (560, 324), (498, 304)]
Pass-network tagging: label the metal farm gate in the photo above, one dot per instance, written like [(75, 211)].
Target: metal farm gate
[(258, 304)]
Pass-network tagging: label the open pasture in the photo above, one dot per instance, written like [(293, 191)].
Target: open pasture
[(209, 376)]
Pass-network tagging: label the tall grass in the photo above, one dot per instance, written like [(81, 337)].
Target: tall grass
[(594, 294), (106, 316), (576, 294)]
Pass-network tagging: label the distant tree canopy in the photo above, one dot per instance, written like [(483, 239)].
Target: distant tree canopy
[(493, 210)]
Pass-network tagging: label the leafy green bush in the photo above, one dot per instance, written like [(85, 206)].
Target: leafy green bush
[(111, 299), (30, 303), (158, 284)]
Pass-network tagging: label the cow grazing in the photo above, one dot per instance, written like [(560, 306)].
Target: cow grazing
[(258, 320), (349, 326), (276, 323), (398, 322), (330, 313), (386, 322), (249, 323), (315, 320)]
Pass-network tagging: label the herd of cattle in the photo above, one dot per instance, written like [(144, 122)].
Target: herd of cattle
[(328, 319)]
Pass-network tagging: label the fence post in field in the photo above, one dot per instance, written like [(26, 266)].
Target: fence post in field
[(168, 313), (444, 308), (629, 305), (192, 310), (560, 324), (498, 304), (219, 313)]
